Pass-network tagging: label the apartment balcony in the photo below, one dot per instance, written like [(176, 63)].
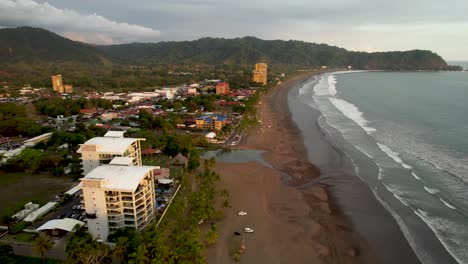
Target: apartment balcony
[(113, 206), (139, 202), (128, 205), (115, 219), (129, 218), (113, 213), (126, 198), (112, 200), (112, 194)]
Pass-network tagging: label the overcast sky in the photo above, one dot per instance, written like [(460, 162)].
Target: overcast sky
[(366, 25)]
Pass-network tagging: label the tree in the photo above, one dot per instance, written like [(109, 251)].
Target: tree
[(140, 256), (120, 249), (43, 245), (32, 158), (8, 221), (81, 248)]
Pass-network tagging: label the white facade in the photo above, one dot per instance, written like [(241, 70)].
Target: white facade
[(118, 196), (101, 150)]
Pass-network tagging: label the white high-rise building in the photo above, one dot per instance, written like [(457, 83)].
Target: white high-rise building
[(101, 150), (118, 196)]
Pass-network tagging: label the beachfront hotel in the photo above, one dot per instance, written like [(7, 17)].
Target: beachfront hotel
[(101, 150), (260, 73), (117, 196), (211, 122)]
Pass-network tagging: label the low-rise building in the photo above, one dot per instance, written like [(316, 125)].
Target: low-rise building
[(118, 196), (222, 88), (211, 122)]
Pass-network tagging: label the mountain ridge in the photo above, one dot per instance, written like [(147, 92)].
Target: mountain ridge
[(30, 45)]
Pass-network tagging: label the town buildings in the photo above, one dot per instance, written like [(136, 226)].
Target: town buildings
[(222, 88), (117, 196), (58, 85), (211, 122), (260, 73), (101, 150)]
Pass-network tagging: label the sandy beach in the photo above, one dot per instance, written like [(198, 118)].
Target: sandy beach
[(292, 225)]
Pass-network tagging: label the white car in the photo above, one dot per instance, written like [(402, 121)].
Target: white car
[(248, 230), (242, 213)]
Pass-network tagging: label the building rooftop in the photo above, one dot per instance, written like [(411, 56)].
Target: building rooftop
[(108, 145), (120, 178), (126, 161), (67, 224), (208, 118), (115, 134)]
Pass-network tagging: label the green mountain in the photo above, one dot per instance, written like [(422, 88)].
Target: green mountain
[(27, 44), (249, 50), (35, 45), (31, 55)]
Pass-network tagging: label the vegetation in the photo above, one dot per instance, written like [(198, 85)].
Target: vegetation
[(7, 257), (43, 245), (81, 248), (31, 55), (66, 107), (14, 122)]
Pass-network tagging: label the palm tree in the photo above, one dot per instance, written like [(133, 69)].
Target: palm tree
[(43, 245), (8, 221), (120, 249)]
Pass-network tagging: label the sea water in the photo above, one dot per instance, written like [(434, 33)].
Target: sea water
[(414, 127)]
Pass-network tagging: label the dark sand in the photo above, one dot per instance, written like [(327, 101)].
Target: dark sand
[(292, 225)]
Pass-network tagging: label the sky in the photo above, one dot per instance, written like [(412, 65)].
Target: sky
[(362, 25)]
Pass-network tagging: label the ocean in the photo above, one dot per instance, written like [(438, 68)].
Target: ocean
[(405, 136)]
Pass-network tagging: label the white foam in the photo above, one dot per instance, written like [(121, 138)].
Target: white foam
[(401, 200), (449, 205), (321, 88), (415, 176), (394, 155), (431, 190), (420, 253), (353, 113), (332, 84), (449, 233)]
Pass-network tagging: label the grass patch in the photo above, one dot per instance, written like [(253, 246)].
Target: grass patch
[(21, 188), (29, 260), (156, 160), (9, 178)]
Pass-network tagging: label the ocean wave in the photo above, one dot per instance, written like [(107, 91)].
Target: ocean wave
[(455, 243), (415, 176), (353, 113), (394, 155), (401, 200), (420, 253), (431, 190), (449, 205), (321, 87), (332, 84)]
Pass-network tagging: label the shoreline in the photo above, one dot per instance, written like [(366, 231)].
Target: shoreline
[(323, 234)]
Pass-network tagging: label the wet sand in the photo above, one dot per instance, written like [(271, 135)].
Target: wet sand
[(292, 225)]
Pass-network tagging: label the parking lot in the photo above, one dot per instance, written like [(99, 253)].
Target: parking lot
[(65, 211)]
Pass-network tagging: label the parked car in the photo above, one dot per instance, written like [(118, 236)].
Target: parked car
[(242, 213), (248, 230)]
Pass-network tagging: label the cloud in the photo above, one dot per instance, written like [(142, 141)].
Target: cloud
[(91, 28)]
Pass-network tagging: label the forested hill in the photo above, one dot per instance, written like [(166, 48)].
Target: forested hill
[(249, 50), (34, 45)]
